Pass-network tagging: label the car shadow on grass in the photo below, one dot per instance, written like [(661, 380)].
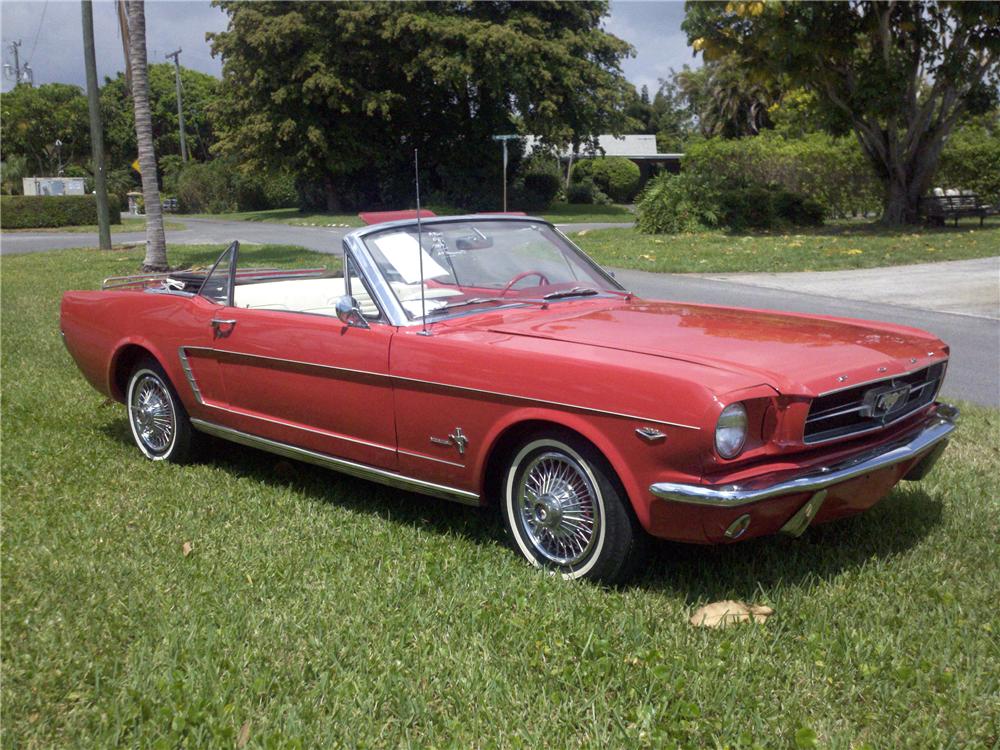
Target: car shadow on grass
[(692, 572), (742, 571)]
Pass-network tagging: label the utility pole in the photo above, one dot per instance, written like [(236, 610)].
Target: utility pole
[(180, 109), (13, 47), (503, 139), (96, 128)]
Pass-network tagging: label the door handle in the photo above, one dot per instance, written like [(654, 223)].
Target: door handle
[(218, 325)]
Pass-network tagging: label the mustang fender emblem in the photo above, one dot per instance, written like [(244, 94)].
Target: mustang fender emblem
[(457, 438)]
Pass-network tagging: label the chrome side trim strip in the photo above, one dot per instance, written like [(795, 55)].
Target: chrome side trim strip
[(362, 471), (431, 458), (303, 428), (186, 366), (400, 378), (931, 433)]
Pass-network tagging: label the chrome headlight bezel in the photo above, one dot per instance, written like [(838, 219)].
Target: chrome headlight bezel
[(731, 430)]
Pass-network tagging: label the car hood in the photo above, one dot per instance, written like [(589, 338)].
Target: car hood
[(796, 354)]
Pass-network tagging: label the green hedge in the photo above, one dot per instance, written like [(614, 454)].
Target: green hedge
[(218, 186), (690, 202), (46, 211), (970, 160), (830, 171)]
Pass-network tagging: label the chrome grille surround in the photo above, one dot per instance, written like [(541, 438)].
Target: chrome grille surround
[(872, 406)]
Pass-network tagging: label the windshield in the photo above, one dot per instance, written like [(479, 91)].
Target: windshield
[(483, 263)]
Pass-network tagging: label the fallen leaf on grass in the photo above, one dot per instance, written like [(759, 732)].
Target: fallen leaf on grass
[(244, 736), (728, 612), (648, 257), (186, 548)]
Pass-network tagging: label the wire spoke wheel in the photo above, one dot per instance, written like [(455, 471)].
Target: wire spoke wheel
[(151, 411), (558, 508)]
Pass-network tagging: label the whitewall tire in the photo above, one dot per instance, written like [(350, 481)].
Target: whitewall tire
[(159, 423), (566, 511)]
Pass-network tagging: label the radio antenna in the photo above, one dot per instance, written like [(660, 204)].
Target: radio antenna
[(420, 245)]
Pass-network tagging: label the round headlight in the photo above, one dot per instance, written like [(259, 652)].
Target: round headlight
[(731, 431)]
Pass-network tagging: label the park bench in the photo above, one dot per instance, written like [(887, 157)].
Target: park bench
[(938, 208)]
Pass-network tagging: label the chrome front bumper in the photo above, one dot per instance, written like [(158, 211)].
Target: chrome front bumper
[(934, 432)]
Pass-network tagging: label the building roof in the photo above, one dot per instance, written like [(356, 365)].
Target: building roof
[(631, 146)]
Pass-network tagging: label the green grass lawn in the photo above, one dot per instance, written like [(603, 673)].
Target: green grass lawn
[(831, 248), (324, 611), (129, 224), (559, 213)]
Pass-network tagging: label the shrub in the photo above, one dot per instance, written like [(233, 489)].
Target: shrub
[(970, 160), (675, 203), (617, 176), (582, 170), (581, 192), (690, 202), (218, 186), (748, 208), (797, 209), (535, 191), (205, 188), (36, 211)]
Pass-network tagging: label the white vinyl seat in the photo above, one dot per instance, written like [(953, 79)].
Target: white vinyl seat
[(317, 296)]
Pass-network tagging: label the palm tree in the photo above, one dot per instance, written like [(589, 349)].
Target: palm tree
[(156, 244)]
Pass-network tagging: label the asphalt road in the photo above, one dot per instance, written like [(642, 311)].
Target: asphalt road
[(973, 375), (210, 232)]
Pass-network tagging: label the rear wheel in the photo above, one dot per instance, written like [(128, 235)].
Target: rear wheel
[(160, 424), (566, 510)]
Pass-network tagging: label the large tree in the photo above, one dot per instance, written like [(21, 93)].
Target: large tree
[(34, 118), (200, 90), (156, 245), (903, 73), (342, 92)]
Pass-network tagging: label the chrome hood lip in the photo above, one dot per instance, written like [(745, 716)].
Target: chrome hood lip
[(796, 354)]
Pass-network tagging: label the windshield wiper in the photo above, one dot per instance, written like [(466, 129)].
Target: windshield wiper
[(464, 303), (577, 291)]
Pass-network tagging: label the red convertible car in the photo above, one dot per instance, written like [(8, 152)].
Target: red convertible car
[(487, 360)]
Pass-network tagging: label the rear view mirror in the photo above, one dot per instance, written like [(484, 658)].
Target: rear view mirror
[(475, 241)]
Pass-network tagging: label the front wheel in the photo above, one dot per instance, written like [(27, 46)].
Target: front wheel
[(160, 424), (566, 510)]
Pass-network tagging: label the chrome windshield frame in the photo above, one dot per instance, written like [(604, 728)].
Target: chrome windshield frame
[(355, 245)]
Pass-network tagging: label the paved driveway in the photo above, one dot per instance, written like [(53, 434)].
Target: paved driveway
[(967, 287)]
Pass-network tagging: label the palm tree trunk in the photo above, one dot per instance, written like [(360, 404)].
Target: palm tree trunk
[(156, 245)]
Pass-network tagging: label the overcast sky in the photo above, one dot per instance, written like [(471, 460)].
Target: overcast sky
[(52, 44)]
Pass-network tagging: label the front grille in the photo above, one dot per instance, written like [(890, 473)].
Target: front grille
[(872, 405)]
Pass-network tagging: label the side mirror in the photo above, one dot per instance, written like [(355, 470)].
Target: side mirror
[(349, 313)]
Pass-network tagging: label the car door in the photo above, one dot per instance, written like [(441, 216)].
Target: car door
[(306, 380)]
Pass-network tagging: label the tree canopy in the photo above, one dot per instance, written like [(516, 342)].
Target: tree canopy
[(903, 73), (199, 90), (34, 118), (345, 91)]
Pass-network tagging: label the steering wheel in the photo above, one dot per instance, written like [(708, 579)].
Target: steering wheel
[(542, 279)]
